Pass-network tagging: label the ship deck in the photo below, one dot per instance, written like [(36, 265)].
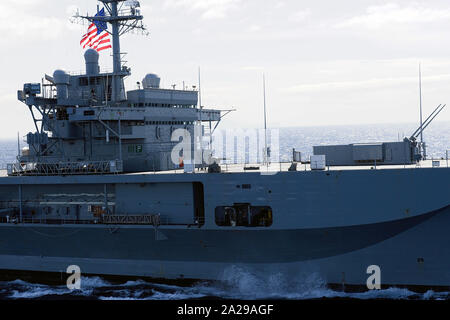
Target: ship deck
[(284, 166)]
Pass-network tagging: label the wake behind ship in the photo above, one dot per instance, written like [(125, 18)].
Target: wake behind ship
[(100, 187)]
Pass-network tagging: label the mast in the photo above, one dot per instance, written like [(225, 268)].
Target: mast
[(117, 64), (122, 20)]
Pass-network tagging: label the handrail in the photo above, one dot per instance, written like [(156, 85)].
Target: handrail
[(65, 168), (134, 220)]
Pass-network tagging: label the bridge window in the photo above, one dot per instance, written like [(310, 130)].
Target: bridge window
[(95, 81), (84, 82), (135, 148), (243, 215)]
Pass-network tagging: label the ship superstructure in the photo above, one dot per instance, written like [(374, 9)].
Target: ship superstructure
[(89, 123)]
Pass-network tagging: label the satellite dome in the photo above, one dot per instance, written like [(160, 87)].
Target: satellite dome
[(62, 80), (151, 81), (61, 77), (91, 56)]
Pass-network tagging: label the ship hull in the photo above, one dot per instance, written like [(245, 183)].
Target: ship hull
[(417, 256), (333, 238)]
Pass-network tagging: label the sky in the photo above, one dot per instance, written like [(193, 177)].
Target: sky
[(326, 62)]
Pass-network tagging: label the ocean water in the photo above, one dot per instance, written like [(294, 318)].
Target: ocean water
[(239, 283), (436, 137)]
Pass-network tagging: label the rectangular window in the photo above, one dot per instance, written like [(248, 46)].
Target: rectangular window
[(243, 215), (83, 82)]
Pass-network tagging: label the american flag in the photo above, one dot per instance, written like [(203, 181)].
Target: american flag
[(97, 37)]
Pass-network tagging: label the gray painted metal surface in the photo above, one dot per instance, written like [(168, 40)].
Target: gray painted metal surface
[(332, 221), (385, 153)]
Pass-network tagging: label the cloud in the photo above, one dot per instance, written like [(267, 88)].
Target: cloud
[(209, 9), (362, 84), (8, 97), (252, 68), (300, 16), (392, 13), (28, 24), (279, 5), (254, 28)]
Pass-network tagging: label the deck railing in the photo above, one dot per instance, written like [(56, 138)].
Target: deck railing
[(65, 168), (152, 220)]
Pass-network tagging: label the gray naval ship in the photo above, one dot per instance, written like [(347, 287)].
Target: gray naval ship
[(97, 187)]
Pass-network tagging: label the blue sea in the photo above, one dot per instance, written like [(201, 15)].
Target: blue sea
[(243, 284)]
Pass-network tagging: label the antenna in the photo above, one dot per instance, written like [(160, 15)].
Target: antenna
[(416, 133), (200, 102), (420, 96), (265, 122), (431, 120), (422, 144), (199, 91), (428, 121), (18, 146)]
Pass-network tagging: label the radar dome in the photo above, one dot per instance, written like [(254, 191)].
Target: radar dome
[(91, 57), (151, 81), (62, 80), (61, 77)]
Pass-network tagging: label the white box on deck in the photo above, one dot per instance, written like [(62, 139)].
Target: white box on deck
[(318, 162), (436, 163), (189, 166)]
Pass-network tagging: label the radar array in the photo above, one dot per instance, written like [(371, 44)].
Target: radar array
[(129, 10)]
